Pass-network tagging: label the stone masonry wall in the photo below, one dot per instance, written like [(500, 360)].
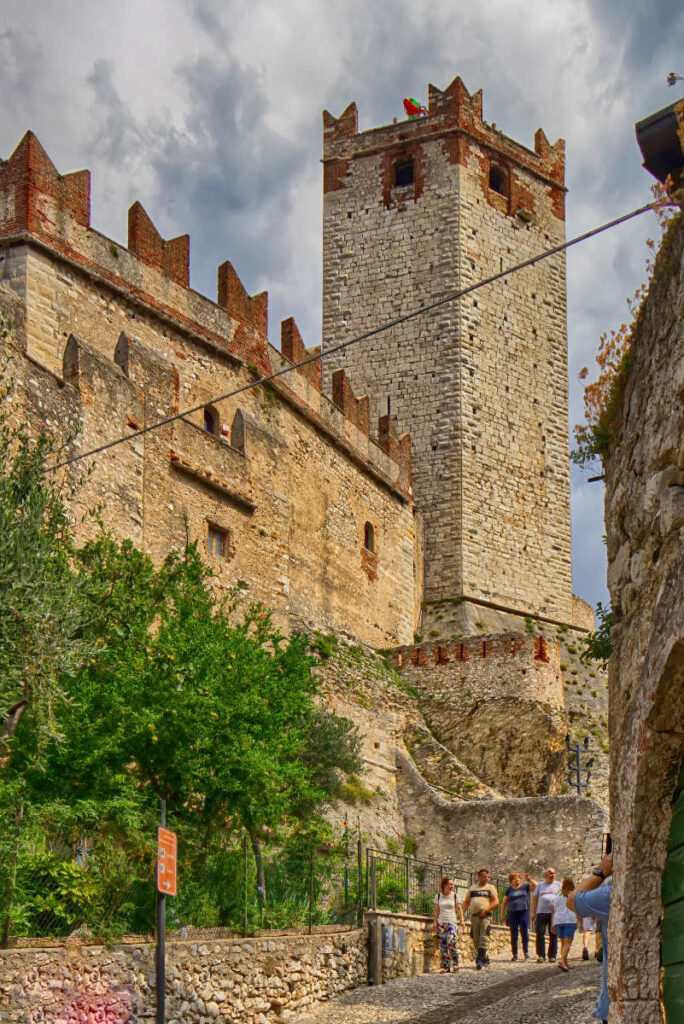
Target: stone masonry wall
[(525, 833), (645, 529), (409, 945), (250, 981), (114, 340), (481, 383), (491, 701)]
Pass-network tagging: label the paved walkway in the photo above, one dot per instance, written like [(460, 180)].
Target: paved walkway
[(505, 993)]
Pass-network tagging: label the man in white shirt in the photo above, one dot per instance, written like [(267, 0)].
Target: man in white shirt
[(542, 902)]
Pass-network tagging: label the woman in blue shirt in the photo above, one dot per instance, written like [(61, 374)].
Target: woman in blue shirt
[(516, 903)]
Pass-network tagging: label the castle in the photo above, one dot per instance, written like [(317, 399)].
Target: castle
[(416, 483)]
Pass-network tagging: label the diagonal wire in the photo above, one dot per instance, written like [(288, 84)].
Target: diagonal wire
[(419, 311)]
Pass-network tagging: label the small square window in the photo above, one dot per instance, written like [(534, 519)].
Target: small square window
[(217, 541), (403, 174)]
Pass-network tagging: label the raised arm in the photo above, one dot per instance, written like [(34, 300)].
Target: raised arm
[(532, 882), (592, 881)]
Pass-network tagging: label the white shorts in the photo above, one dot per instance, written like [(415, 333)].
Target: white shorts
[(588, 924)]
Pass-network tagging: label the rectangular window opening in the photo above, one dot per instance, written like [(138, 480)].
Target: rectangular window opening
[(403, 174), (217, 541)]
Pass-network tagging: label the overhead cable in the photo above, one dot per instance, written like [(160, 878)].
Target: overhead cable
[(340, 346)]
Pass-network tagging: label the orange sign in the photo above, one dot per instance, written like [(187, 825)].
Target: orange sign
[(166, 861)]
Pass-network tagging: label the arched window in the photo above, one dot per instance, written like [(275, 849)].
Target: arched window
[(498, 180), (70, 362), (369, 537), (211, 420), (237, 432), (121, 353)]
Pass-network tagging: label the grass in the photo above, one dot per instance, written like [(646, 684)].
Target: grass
[(354, 792)]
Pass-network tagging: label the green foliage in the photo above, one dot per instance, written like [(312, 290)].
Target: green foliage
[(53, 896), (324, 645), (598, 646), (410, 846), (354, 792), (44, 605)]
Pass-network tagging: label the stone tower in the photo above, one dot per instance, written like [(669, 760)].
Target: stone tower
[(415, 210)]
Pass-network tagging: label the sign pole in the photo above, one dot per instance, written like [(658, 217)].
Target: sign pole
[(161, 934)]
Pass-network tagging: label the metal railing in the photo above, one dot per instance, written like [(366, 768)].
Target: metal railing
[(403, 884)]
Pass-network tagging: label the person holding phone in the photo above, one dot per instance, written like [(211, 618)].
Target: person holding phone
[(591, 898)]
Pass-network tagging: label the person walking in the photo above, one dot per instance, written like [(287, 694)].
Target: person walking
[(563, 921), (588, 925), (541, 915), (447, 904), (482, 899), (592, 898), (516, 905)]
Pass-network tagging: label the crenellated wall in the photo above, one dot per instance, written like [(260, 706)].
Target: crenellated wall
[(115, 339), (490, 702), (481, 382)]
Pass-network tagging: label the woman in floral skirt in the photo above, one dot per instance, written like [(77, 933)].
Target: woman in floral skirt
[(447, 904)]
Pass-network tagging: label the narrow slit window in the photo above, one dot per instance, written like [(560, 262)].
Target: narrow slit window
[(403, 173), (369, 537), (217, 541), (211, 420)]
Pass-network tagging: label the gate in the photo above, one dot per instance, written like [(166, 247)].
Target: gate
[(672, 951)]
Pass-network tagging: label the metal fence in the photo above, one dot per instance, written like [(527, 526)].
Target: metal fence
[(51, 894), (48, 892), (403, 884)]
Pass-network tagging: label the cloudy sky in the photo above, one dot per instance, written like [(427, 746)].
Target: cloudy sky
[(209, 113)]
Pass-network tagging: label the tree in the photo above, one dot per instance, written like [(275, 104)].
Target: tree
[(598, 646), (43, 610), (200, 702)]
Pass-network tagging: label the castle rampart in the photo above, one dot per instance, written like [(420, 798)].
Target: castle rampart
[(488, 699), (279, 486)]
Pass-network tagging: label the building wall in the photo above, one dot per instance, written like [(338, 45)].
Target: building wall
[(488, 701), (407, 945), (520, 833), (481, 383), (645, 528), (115, 339), (253, 980)]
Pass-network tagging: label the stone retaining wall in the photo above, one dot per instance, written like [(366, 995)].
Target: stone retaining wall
[(253, 981), (409, 947)]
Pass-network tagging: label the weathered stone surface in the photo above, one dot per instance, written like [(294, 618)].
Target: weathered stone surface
[(487, 699), (481, 382), (61, 985), (646, 576)]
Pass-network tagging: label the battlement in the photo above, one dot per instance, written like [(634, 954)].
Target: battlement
[(501, 647), (40, 207), (455, 117)]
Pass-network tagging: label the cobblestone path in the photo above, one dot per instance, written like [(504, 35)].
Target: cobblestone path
[(505, 993)]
